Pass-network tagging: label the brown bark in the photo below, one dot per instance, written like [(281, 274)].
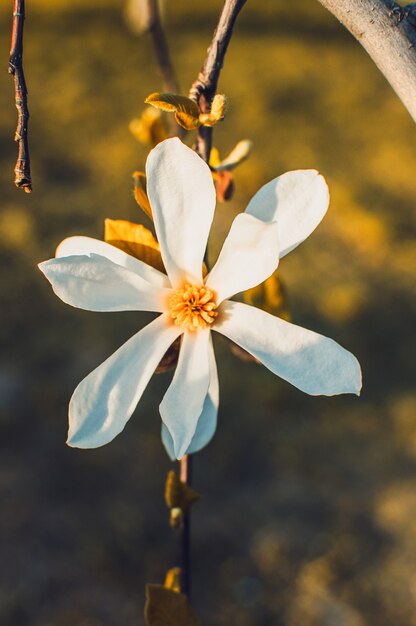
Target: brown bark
[(22, 169), (388, 33)]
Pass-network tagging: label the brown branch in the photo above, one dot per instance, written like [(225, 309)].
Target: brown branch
[(388, 33), (22, 169), (185, 476), (161, 48), (160, 44), (204, 88)]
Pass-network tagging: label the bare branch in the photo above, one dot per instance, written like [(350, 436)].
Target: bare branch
[(22, 168), (204, 88), (161, 47), (185, 476), (388, 33)]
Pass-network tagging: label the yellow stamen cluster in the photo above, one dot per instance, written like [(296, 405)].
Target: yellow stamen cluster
[(193, 307)]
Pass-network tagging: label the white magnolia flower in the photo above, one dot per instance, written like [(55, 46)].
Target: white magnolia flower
[(93, 275)]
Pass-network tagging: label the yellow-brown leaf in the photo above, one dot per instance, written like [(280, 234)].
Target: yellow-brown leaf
[(140, 193), (165, 607), (179, 497), (269, 296), (149, 128), (135, 239), (238, 154), (217, 113), (186, 110), (173, 579)]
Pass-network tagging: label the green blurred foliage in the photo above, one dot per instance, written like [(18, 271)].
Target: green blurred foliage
[(309, 503)]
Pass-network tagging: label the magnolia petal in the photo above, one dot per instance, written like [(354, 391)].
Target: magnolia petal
[(313, 363), (183, 402), (182, 197), (207, 422), (105, 400), (87, 245), (297, 200), (95, 283), (249, 256)]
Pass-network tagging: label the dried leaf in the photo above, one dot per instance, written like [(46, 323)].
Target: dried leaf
[(186, 110), (165, 607), (242, 354), (140, 193), (170, 358), (269, 296), (135, 239), (173, 579), (149, 128), (178, 496), (238, 154), (224, 185), (214, 158), (217, 112)]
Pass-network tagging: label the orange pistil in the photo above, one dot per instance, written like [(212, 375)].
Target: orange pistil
[(193, 307)]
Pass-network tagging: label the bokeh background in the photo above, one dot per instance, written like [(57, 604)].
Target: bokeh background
[(309, 504)]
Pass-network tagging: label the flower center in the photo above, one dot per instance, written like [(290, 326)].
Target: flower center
[(193, 307)]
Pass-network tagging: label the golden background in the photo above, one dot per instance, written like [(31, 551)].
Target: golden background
[(309, 504)]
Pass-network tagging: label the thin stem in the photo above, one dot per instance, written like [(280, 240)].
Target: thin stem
[(164, 61), (161, 47), (186, 477), (22, 169), (204, 88)]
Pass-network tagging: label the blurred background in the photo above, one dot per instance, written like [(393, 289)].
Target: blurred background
[(309, 504)]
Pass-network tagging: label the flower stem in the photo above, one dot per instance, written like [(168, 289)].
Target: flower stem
[(186, 477)]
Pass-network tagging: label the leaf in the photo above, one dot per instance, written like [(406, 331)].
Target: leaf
[(149, 128), (170, 358), (173, 579), (140, 193), (179, 498), (224, 185), (270, 296), (165, 607), (238, 154), (186, 110), (135, 239), (217, 112), (214, 158)]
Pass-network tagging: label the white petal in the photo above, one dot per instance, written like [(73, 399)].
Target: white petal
[(87, 245), (104, 401), (182, 197), (297, 201), (313, 363), (184, 400), (95, 283), (207, 422), (249, 256)]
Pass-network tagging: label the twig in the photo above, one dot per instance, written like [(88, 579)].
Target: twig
[(22, 169), (388, 32), (204, 88), (160, 45), (186, 477)]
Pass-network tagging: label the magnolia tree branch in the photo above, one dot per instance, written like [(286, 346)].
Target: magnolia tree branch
[(204, 88), (388, 33), (185, 476), (22, 169), (160, 44)]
